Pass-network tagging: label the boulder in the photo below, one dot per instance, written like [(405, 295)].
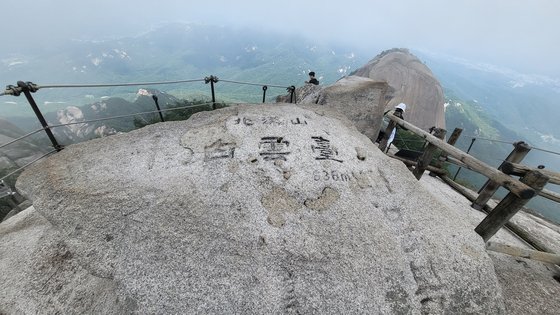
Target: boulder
[(410, 82), (41, 275), (268, 209), (306, 94), (359, 99)]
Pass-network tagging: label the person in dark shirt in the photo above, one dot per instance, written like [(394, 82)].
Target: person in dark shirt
[(312, 79)]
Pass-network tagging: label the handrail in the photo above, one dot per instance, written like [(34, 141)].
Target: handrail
[(26, 165), (21, 138), (531, 184), (28, 87), (259, 84), (12, 90), (128, 115), (508, 182)]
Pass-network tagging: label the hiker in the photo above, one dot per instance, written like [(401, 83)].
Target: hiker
[(398, 111), (312, 79)]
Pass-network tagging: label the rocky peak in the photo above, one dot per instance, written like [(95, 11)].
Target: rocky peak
[(410, 82), (269, 209)]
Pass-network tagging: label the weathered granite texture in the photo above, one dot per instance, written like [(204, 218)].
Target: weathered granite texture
[(305, 94), (362, 100), (410, 82), (253, 209)]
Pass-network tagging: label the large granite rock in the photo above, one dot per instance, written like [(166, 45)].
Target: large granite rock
[(410, 82), (305, 94), (362, 100), (40, 274), (268, 209)]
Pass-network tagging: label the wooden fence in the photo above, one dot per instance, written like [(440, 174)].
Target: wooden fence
[(531, 184)]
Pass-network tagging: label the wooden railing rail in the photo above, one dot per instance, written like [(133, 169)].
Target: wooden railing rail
[(531, 183), (513, 185)]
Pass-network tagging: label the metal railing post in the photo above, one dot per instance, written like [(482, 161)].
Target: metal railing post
[(292, 90), (468, 150), (212, 79), (157, 105), (264, 93), (27, 88)]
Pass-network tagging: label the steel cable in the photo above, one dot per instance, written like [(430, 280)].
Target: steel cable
[(22, 137), (100, 119), (277, 86), (128, 115), (26, 165), (116, 84), (539, 149)]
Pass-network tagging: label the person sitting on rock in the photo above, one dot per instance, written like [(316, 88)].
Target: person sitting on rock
[(312, 79), (398, 111)]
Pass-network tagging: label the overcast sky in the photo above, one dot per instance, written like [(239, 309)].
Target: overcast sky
[(519, 34)]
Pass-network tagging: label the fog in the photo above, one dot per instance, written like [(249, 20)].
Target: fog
[(521, 35)]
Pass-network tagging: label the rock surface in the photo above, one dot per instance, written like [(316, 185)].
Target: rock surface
[(41, 275), (305, 94), (362, 100), (274, 209), (528, 286), (410, 82)]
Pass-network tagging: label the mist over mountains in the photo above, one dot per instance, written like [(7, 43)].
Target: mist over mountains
[(524, 103), (486, 100), (192, 51), (182, 52)]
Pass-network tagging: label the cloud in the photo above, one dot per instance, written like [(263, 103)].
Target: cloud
[(516, 33)]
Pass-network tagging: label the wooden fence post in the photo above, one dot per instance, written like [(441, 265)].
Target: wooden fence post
[(426, 157), (506, 181), (527, 237), (520, 170), (383, 143), (443, 156), (509, 206), (490, 187)]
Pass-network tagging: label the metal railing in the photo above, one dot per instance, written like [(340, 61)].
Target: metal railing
[(27, 88), (531, 183)]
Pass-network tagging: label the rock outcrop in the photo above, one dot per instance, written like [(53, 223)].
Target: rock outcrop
[(360, 99), (72, 115), (79, 129), (305, 94), (268, 209), (410, 82)]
